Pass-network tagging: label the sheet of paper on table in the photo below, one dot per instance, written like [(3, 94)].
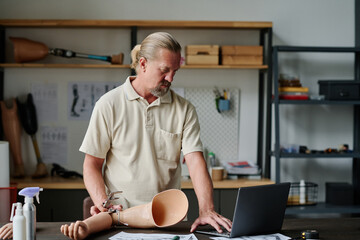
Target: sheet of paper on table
[(153, 236), (276, 236)]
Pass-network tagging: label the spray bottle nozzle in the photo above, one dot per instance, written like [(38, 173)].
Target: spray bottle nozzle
[(18, 210), (30, 192)]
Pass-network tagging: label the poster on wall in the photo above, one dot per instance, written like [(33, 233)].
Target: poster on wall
[(53, 144), (82, 97), (45, 97)]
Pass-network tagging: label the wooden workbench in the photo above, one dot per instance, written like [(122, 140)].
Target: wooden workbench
[(77, 183), (66, 195), (328, 228)]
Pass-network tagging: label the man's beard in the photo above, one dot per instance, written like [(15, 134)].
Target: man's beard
[(159, 90)]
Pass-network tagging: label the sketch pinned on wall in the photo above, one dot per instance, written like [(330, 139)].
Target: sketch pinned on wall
[(54, 144), (82, 97), (45, 97)]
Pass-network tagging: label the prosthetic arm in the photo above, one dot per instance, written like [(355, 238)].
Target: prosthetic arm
[(166, 208)]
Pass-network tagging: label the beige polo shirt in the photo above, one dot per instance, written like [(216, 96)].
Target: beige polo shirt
[(141, 142)]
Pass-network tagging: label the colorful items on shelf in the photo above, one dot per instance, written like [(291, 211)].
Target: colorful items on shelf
[(291, 88), (241, 168), (294, 148)]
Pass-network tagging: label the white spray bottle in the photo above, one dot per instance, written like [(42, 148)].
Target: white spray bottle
[(30, 210), (19, 228)]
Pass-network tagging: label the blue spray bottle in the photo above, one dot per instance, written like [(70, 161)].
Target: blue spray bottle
[(29, 210)]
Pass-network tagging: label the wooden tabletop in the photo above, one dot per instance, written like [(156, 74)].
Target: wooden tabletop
[(329, 229), (229, 183), (77, 183)]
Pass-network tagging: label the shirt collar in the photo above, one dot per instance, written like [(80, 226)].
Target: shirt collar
[(131, 94)]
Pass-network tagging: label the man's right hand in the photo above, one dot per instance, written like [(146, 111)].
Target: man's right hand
[(99, 208)]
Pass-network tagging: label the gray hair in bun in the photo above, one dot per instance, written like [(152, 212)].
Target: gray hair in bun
[(151, 45)]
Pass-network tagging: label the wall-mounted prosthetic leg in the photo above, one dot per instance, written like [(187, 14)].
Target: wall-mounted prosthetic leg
[(166, 209), (27, 113), (12, 128)]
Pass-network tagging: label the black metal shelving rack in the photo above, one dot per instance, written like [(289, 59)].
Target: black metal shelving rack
[(322, 207)]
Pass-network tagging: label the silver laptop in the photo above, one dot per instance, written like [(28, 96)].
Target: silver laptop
[(258, 210)]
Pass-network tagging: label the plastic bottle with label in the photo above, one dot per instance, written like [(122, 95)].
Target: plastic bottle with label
[(302, 192), (212, 159), (19, 221)]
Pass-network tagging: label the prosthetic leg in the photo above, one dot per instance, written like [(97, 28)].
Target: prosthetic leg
[(26, 50), (12, 134), (166, 209), (28, 120)]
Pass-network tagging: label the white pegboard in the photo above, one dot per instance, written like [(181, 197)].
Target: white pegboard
[(219, 131)]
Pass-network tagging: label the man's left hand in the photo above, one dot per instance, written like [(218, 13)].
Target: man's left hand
[(214, 219)]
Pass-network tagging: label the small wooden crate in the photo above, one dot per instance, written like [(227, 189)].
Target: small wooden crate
[(242, 55), (202, 54)]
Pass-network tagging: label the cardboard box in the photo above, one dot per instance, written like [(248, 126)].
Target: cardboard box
[(242, 55), (202, 54)]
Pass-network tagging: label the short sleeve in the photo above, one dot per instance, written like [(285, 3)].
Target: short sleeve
[(97, 140), (191, 141)]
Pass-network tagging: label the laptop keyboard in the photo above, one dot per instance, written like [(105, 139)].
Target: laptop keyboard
[(225, 233)]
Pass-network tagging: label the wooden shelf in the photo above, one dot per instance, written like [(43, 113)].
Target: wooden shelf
[(231, 184), (56, 23), (133, 23), (78, 183), (61, 65), (225, 66), (49, 183)]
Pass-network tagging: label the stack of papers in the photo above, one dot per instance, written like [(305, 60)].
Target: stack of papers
[(276, 236), (241, 168), (152, 236)]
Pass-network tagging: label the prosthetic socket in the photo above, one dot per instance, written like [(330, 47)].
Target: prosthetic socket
[(166, 208)]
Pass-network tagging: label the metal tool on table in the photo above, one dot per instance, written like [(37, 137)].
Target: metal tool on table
[(28, 119), (111, 197)]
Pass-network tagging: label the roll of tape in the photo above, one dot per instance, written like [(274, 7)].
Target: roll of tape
[(310, 235)]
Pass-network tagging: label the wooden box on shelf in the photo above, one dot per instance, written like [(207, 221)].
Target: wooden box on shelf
[(242, 55), (202, 55)]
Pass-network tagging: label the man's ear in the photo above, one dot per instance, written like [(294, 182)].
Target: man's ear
[(142, 64)]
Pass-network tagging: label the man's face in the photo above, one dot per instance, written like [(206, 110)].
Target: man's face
[(160, 72)]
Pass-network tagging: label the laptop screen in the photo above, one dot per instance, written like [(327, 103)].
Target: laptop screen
[(260, 209)]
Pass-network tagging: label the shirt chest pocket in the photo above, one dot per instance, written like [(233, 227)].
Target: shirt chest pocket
[(168, 145)]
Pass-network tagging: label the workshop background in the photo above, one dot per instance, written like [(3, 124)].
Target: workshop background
[(298, 23)]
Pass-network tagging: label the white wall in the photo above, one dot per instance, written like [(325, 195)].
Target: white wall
[(306, 23)]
